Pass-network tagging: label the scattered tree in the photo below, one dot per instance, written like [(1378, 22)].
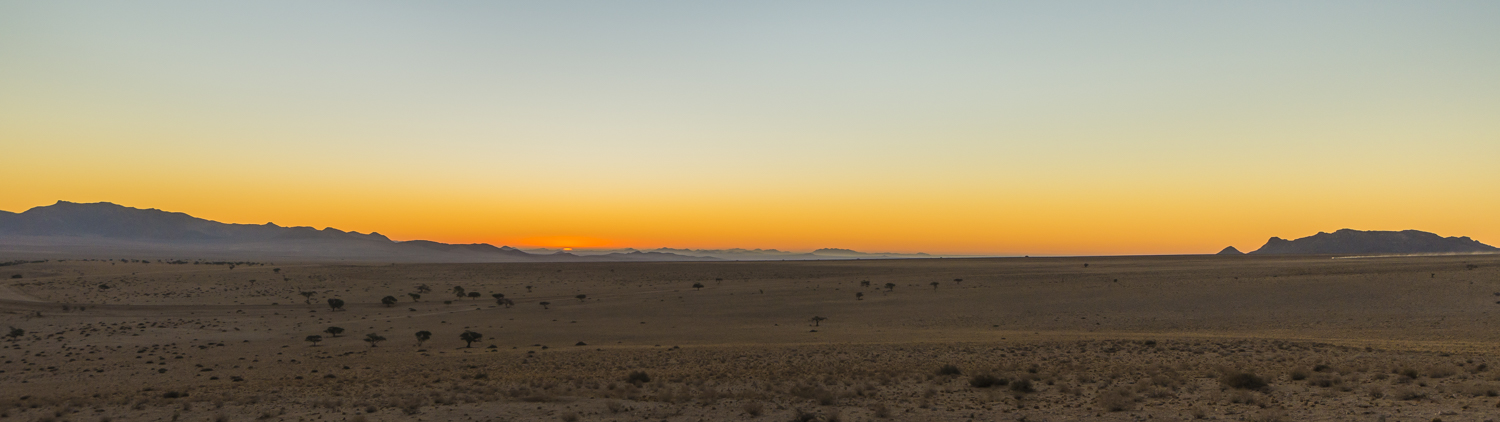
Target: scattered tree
[(336, 304), (544, 305), (859, 296), (864, 283), (497, 295), (314, 339), (817, 319), (890, 287), (698, 286), (504, 302), (388, 301), (373, 339), (414, 296), (276, 270), (422, 288), (458, 291), (581, 297), (15, 332), (934, 285), (528, 289), (469, 337), (958, 281), (474, 295), (307, 297), (334, 331), (422, 337)]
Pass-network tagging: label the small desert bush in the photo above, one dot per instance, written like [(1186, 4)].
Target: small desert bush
[(638, 377), (986, 381), (1243, 381), (754, 408), (949, 370), (1117, 400)]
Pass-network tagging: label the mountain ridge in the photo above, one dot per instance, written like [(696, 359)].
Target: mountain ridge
[(108, 229), (1349, 241)]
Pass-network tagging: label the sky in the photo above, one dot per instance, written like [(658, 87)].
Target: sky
[(987, 127)]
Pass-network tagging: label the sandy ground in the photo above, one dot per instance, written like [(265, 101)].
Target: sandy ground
[(1120, 339)]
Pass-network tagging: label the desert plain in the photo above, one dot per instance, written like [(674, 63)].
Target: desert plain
[(1252, 338)]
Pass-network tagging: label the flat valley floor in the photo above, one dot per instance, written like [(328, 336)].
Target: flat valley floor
[(1290, 338)]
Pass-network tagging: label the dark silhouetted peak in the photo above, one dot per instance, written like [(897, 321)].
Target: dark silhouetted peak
[(1230, 251), (1347, 241)]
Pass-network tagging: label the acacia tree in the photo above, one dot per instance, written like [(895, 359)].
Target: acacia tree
[(15, 332), (388, 301), (934, 285), (422, 288), (373, 339), (458, 291), (307, 297), (474, 295), (581, 297), (314, 339), (422, 337), (335, 304), (864, 283), (414, 296), (544, 305), (469, 337), (334, 331), (818, 319), (859, 296), (698, 286), (890, 287)]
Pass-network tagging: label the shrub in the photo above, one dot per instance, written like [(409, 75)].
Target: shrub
[(1243, 381), (986, 381), (754, 408), (1022, 386), (1117, 400), (948, 370), (637, 377)]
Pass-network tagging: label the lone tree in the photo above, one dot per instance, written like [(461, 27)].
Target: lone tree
[(528, 289), (388, 301), (698, 286), (422, 288), (307, 297), (314, 339), (335, 304), (469, 337), (544, 305), (818, 319), (422, 337), (15, 332), (334, 331), (458, 291), (958, 281), (890, 287), (934, 285), (859, 296), (581, 297), (864, 283), (414, 296), (474, 295), (373, 339)]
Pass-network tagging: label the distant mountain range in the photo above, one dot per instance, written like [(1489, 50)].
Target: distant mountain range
[(105, 230), (1346, 241)]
